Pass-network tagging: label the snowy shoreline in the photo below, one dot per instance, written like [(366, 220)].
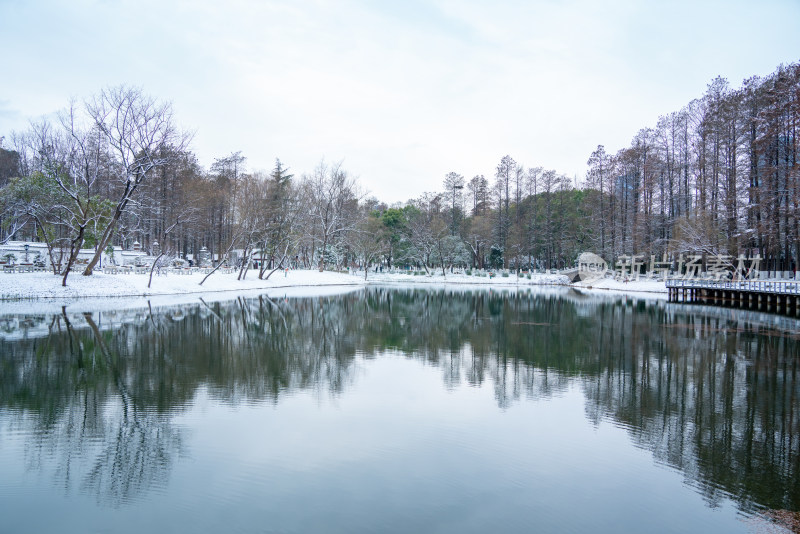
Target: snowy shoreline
[(32, 286), (653, 287), (46, 286)]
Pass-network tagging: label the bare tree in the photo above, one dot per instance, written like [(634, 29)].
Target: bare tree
[(425, 229), (332, 196), (478, 238), (369, 241), (136, 128), (76, 159), (453, 186), (479, 191), (505, 174), (166, 250)]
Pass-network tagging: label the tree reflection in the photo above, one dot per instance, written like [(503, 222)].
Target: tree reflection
[(708, 391), (91, 427)]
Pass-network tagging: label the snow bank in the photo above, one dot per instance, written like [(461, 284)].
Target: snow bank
[(96, 289), (47, 285), (619, 286), (436, 277)]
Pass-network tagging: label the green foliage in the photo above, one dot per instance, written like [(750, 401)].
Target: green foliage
[(395, 222), (31, 192), (280, 174), (394, 219), (38, 195), (451, 251), (496, 258), (34, 196)]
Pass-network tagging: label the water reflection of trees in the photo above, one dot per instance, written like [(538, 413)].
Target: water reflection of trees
[(708, 393), (711, 393), (94, 432)]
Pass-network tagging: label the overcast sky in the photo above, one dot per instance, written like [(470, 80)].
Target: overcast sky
[(403, 91)]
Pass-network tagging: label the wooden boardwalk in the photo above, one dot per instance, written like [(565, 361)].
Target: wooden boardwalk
[(775, 296)]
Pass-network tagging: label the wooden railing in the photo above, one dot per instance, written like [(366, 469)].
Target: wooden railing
[(778, 287)]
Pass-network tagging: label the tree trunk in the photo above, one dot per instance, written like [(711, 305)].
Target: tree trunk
[(48, 243), (322, 254), (262, 266), (75, 247), (276, 268), (221, 260), (245, 264), (152, 267), (104, 240)]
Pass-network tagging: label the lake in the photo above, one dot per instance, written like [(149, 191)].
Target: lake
[(399, 410)]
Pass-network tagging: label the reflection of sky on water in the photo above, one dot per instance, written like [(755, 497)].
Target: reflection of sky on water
[(398, 447), (399, 453)]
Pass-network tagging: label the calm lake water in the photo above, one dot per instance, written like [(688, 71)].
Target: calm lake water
[(400, 410)]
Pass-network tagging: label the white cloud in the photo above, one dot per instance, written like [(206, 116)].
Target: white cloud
[(403, 92)]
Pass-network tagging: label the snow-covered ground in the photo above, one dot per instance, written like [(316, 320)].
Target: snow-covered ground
[(643, 285), (47, 285), (26, 286)]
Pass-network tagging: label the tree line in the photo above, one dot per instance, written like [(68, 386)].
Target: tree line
[(719, 176)]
